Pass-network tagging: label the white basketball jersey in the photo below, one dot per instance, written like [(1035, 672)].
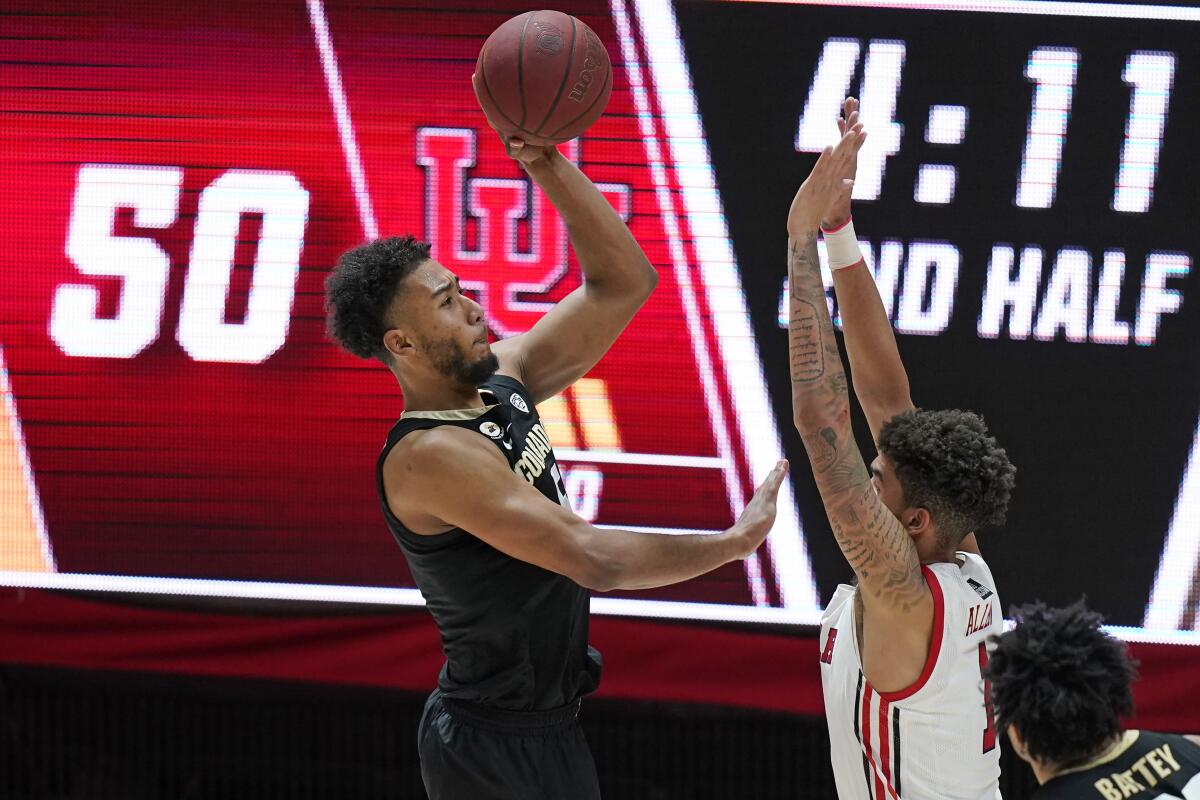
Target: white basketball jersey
[(935, 740)]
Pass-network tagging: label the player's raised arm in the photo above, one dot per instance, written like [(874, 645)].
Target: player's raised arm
[(514, 517), (617, 281), (880, 382), (877, 546)]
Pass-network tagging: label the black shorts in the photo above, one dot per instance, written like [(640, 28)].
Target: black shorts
[(473, 752)]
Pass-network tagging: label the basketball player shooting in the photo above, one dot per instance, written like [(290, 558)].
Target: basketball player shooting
[(902, 653), (471, 491)]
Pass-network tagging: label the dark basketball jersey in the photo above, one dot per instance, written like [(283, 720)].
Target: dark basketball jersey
[(1143, 766), (514, 634)]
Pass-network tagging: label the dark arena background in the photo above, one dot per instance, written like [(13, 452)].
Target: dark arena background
[(198, 595)]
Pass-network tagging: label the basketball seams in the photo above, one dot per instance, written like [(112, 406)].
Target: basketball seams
[(541, 78), (588, 110), (570, 64), (521, 67), (488, 89)]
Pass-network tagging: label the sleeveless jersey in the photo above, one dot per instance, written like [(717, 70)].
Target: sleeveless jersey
[(514, 634), (935, 740), (1142, 766)]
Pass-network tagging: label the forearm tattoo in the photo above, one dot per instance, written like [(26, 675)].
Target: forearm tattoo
[(805, 347), (872, 539)]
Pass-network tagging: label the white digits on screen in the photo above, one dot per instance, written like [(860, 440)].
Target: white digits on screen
[(831, 84), (1053, 71), (1150, 75), (880, 88), (283, 202), (584, 484), (878, 92), (153, 195)]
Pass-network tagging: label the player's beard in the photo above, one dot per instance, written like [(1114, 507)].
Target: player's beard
[(450, 359)]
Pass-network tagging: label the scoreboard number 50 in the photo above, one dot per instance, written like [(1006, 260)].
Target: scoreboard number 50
[(152, 192)]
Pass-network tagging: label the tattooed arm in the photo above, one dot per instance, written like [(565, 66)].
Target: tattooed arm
[(897, 604), (872, 539), (880, 381)]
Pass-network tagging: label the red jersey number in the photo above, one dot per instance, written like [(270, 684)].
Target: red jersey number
[(989, 733)]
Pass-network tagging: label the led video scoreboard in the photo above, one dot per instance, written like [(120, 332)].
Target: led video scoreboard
[(177, 182)]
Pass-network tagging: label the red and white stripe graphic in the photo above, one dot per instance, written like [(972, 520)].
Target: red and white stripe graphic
[(881, 744)]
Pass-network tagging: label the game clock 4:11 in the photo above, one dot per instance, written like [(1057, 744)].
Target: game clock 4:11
[(1077, 287), (1053, 71)]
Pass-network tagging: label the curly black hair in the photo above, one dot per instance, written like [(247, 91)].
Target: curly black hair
[(1062, 681), (948, 463), (362, 286)]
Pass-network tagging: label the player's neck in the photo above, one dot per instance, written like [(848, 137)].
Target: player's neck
[(439, 396), (1045, 771), (931, 551), (948, 557)]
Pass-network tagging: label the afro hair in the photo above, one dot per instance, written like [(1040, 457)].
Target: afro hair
[(362, 286), (1061, 681), (948, 463)]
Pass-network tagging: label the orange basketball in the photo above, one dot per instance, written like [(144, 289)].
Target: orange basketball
[(544, 77)]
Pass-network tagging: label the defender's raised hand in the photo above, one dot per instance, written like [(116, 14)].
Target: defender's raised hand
[(849, 118), (826, 185), (840, 212)]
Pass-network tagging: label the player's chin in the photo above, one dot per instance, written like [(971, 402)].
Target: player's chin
[(487, 361)]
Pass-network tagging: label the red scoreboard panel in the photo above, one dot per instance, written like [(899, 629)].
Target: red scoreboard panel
[(176, 184)]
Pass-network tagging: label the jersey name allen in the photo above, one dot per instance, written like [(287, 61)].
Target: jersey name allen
[(532, 462), (979, 618)]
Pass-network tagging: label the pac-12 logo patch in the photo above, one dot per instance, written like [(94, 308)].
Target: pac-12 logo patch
[(980, 589), (491, 430), (519, 403)]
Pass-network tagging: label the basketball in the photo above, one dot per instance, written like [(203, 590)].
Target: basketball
[(543, 77)]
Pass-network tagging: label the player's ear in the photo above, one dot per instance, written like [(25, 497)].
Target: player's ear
[(916, 520), (1018, 744), (399, 343)]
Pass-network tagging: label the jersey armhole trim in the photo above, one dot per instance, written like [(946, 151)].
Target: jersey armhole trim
[(505, 377), (935, 641), (400, 530)]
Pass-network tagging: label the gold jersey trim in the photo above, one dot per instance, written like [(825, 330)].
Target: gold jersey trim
[(454, 415), (1124, 743)]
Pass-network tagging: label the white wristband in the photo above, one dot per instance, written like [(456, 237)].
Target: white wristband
[(841, 246)]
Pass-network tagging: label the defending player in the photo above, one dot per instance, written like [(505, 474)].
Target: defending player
[(471, 491), (903, 651), (880, 380), (1061, 686)]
